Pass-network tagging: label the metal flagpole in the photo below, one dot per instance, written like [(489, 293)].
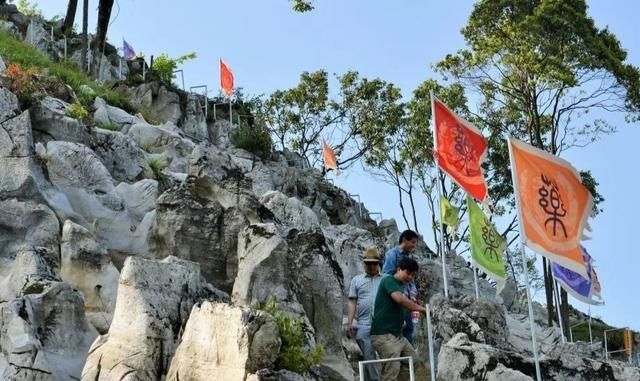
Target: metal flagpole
[(432, 360), (475, 278), (438, 186), (590, 335), (556, 296), (534, 343)]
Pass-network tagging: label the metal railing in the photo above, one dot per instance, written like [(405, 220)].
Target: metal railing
[(606, 348), (412, 376), (206, 100), (357, 196)]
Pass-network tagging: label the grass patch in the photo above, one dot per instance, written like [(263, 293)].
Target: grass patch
[(157, 166), (109, 126), (17, 52), (77, 111)]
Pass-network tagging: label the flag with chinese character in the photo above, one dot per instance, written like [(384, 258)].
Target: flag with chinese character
[(226, 78), (553, 205), (127, 50), (449, 215), (628, 342), (459, 150), (585, 289), (487, 245), (330, 161)]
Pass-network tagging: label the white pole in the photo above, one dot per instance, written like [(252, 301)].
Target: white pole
[(475, 278), (230, 112), (432, 360), (590, 335), (534, 344), (442, 243), (558, 311), (120, 66), (65, 47), (533, 331)]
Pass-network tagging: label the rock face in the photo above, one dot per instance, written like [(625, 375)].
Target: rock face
[(86, 266), (221, 342), (158, 101), (195, 123), (290, 211), (461, 359), (43, 331), (190, 225), (299, 273), (154, 301)]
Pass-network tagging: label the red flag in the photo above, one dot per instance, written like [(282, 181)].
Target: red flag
[(459, 150), (226, 78), (330, 160)]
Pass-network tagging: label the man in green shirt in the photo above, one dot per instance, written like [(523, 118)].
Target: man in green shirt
[(390, 309)]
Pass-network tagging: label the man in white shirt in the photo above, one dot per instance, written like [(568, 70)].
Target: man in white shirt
[(362, 295)]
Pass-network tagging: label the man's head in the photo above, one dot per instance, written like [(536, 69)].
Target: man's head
[(406, 270), (371, 261), (408, 240)]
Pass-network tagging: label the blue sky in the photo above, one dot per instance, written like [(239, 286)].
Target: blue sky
[(268, 46)]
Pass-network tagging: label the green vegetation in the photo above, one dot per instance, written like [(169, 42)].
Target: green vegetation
[(164, 66), (77, 111), (255, 139), (28, 8), (157, 166), (109, 126), (294, 353), (34, 288), (17, 52)]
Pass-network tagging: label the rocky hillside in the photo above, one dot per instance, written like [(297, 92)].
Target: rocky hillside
[(139, 251)]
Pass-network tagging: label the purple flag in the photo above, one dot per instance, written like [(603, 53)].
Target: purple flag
[(127, 49), (583, 289)]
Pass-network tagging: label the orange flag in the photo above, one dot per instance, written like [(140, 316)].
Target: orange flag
[(330, 160), (553, 204), (226, 78), (459, 150)]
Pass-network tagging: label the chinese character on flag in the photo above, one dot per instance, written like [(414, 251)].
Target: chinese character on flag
[(554, 205), (226, 78), (459, 150)]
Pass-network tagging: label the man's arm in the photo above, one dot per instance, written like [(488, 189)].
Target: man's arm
[(390, 259), (405, 302), (351, 312)]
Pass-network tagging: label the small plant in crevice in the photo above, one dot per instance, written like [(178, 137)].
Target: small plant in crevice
[(109, 126), (157, 166), (295, 353), (77, 111)]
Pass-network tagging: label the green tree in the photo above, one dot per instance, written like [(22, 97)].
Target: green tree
[(302, 6), (302, 116), (545, 74)]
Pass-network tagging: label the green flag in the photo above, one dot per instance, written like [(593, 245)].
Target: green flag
[(487, 245), (449, 215)]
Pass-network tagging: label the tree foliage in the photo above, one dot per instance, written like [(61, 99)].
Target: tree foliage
[(545, 74), (302, 6), (360, 115), (164, 66)]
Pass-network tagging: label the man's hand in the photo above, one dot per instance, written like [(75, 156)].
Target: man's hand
[(351, 331)]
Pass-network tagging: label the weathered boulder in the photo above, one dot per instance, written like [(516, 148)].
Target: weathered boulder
[(195, 124), (25, 223), (461, 359), (191, 225), (221, 342), (290, 211), (220, 133), (86, 266), (139, 198), (154, 302), (106, 115), (157, 139), (43, 331), (50, 123), (157, 100), (75, 165), (122, 157), (37, 36), (300, 274), (8, 104)]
